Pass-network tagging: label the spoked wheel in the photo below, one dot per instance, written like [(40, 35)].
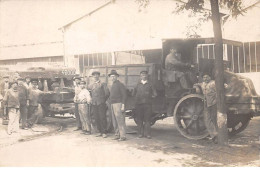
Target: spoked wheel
[(237, 123), (189, 118)]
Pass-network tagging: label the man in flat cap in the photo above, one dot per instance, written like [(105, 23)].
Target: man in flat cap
[(208, 88), (144, 92), (4, 86), (84, 101), (23, 94), (27, 82), (117, 100), (34, 102), (11, 101), (100, 94), (77, 90)]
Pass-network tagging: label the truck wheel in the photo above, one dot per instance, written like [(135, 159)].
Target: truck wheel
[(189, 118), (237, 123)]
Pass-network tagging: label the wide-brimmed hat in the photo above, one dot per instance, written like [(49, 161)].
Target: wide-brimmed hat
[(113, 72), (144, 71), (95, 72)]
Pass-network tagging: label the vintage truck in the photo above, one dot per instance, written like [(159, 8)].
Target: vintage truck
[(187, 108)]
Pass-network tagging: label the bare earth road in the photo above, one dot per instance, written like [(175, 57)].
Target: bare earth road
[(64, 147)]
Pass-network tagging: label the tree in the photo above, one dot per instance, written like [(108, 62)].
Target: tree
[(197, 6)]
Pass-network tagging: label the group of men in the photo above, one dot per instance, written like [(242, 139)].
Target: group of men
[(19, 102), (97, 94)]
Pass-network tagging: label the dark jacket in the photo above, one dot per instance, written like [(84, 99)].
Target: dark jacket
[(99, 93), (34, 96), (117, 93), (11, 99), (144, 93), (23, 95)]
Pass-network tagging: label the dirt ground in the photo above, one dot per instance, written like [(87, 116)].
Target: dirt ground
[(54, 143)]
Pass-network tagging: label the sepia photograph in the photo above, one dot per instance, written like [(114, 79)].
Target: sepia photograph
[(129, 83)]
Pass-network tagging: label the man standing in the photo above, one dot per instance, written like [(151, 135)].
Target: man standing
[(117, 100), (4, 86), (34, 99), (100, 94), (24, 101), (77, 90), (27, 82), (84, 101), (210, 110), (144, 92), (11, 101)]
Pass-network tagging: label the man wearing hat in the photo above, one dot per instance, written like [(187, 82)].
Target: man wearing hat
[(100, 94), (11, 101), (24, 101), (84, 100), (208, 88), (144, 92), (4, 86), (34, 99), (27, 82), (77, 90), (117, 100)]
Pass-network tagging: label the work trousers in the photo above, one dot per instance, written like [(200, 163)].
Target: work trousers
[(144, 119), (99, 113), (33, 115), (85, 118), (118, 119), (13, 124), (23, 115), (2, 111), (78, 122), (210, 118)]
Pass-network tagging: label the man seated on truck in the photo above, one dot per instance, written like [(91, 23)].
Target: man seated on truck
[(173, 63)]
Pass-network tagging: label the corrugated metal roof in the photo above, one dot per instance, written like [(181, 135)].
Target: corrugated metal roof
[(32, 51)]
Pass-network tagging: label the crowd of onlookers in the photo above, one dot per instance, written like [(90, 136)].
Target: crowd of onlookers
[(19, 102)]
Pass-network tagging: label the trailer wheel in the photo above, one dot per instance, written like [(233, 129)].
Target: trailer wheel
[(237, 123), (189, 118)]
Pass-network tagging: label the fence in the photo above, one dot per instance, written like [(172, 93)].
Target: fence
[(241, 59)]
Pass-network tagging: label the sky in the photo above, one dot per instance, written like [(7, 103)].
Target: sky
[(37, 21)]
